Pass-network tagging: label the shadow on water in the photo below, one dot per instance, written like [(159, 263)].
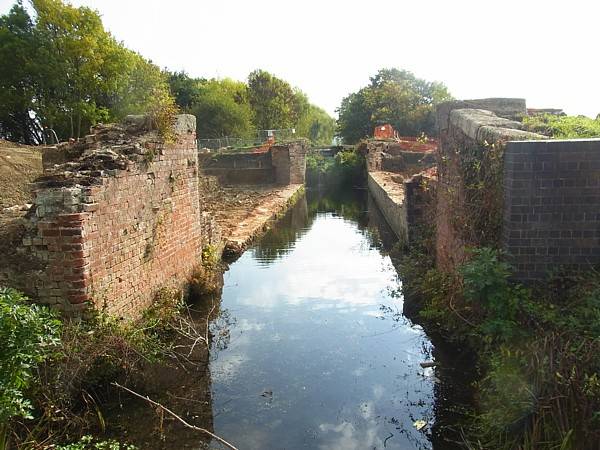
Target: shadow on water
[(318, 351)]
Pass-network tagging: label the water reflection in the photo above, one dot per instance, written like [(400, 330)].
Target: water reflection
[(318, 354)]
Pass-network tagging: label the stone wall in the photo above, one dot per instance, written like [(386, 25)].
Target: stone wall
[(239, 168), (282, 164), (420, 194), (393, 157), (552, 206), (119, 223), (389, 196), (550, 191)]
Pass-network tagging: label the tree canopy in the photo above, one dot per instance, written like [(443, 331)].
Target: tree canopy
[(68, 73), (222, 109), (225, 107), (393, 96)]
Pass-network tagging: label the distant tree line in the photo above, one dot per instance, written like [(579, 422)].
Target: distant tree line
[(393, 96), (224, 107), (62, 70)]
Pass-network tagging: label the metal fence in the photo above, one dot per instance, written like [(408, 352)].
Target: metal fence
[(261, 137)]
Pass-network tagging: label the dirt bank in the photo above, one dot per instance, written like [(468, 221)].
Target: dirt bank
[(19, 166), (244, 212)]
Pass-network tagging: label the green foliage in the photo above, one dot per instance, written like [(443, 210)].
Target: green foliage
[(564, 127), (347, 168), (56, 371), (275, 103), (29, 335), (486, 286), (538, 349), (393, 96), (89, 443), (229, 108), (222, 109), (71, 73), (317, 126), (317, 166), (184, 89)]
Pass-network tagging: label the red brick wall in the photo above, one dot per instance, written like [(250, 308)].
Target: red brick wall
[(115, 243)]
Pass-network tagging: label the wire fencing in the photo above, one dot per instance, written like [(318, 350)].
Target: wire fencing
[(261, 137)]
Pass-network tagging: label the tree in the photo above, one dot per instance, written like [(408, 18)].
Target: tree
[(316, 125), (393, 96), (274, 101), (184, 89), (69, 74), (222, 109), (17, 79)]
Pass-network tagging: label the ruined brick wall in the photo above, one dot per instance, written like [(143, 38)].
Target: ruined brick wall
[(552, 206), (239, 168), (393, 157), (127, 223), (283, 164)]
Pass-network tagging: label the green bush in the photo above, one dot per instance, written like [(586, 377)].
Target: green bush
[(486, 287), (563, 127), (347, 168), (88, 443), (29, 335)]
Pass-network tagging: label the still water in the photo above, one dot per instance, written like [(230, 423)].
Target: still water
[(311, 350)]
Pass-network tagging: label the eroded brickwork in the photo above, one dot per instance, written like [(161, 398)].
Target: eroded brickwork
[(115, 236)]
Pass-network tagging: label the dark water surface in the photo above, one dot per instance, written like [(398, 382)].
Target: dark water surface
[(311, 348)]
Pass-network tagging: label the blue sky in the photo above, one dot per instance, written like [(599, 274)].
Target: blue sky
[(545, 51)]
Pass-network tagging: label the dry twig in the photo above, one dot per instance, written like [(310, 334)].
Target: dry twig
[(168, 411)]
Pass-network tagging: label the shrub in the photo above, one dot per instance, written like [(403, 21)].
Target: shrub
[(347, 168), (29, 335), (88, 443), (564, 127)]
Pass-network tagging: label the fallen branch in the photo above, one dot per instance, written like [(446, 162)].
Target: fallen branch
[(168, 411)]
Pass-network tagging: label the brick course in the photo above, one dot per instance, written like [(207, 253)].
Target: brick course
[(551, 207), (115, 241)]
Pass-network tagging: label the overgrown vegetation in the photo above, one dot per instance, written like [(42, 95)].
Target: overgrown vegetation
[(29, 336), (539, 350), (55, 375), (476, 213), (346, 168), (564, 127), (537, 347)]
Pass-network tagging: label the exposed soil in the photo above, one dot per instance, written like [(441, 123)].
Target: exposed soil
[(19, 166), (242, 211)]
